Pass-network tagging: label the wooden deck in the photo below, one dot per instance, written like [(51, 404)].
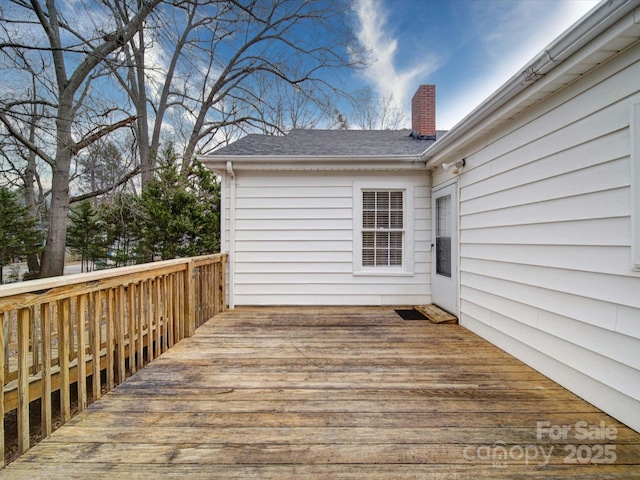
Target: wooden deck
[(334, 393)]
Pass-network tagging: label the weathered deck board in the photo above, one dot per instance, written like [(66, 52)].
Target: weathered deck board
[(329, 393)]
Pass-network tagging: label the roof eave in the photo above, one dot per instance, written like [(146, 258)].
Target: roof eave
[(219, 163), (492, 112)]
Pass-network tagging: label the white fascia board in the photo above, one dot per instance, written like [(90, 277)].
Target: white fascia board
[(539, 72), (313, 163)]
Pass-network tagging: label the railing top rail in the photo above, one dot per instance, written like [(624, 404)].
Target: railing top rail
[(24, 294)]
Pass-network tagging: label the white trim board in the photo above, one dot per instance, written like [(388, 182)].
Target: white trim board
[(634, 127)]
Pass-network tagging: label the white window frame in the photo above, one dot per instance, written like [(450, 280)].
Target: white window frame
[(407, 267), (635, 185)]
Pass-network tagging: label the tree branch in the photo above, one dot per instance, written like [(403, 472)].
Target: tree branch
[(25, 141), (122, 180), (104, 131)]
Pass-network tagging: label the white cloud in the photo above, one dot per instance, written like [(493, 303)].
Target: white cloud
[(374, 35)]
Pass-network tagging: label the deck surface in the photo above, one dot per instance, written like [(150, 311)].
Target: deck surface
[(334, 393)]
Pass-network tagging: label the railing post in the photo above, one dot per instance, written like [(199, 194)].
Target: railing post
[(223, 282), (189, 300)]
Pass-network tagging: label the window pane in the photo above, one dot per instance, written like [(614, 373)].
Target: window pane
[(382, 200), (395, 257), (395, 200), (443, 256), (382, 239), (368, 200), (368, 257), (395, 240), (396, 219), (443, 236), (368, 219), (443, 212), (382, 257), (368, 239), (382, 219)]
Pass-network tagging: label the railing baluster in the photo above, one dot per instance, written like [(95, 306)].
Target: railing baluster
[(81, 313), (24, 319), (175, 295), (216, 290), (165, 313), (170, 317), (7, 337), (95, 344), (120, 327), (157, 314), (207, 291), (111, 315), (189, 310), (131, 317), (35, 347), (45, 335), (140, 316), (149, 314), (64, 324)]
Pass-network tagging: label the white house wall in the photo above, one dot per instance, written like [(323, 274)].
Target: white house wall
[(293, 240), (545, 238)]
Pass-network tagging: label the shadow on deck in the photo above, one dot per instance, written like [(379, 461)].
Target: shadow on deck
[(334, 393)]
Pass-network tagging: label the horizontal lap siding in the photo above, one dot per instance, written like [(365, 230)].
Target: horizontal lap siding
[(294, 241), (545, 235)]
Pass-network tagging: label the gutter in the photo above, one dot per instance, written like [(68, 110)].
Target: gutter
[(599, 19), (305, 159), (230, 171), (315, 162)]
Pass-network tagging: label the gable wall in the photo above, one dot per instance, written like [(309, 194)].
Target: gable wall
[(294, 241), (545, 239)]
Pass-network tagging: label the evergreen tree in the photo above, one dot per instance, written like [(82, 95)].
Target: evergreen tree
[(121, 218), (181, 214), (19, 235), (86, 235)]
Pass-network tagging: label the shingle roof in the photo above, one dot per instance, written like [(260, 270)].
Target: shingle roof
[(303, 142)]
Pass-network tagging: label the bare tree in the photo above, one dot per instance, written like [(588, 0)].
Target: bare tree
[(201, 66), (192, 72), (101, 166), (373, 112), (66, 57), (20, 167), (284, 107)]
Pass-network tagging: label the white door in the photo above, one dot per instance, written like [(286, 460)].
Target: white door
[(444, 248)]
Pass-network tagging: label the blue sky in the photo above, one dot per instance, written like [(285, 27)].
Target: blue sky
[(467, 48)]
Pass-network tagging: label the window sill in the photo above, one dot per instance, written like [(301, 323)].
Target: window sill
[(382, 273)]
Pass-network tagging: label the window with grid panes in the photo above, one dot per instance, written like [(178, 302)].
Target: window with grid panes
[(382, 228)]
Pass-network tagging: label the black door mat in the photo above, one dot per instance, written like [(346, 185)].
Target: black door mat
[(411, 315)]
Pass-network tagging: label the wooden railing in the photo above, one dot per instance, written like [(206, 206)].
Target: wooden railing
[(81, 335)]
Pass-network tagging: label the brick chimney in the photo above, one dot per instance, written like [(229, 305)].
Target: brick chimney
[(423, 110)]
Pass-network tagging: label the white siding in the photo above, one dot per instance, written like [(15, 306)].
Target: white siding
[(294, 241), (545, 238)]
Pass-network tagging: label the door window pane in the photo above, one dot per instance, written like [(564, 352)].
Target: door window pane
[(443, 236)]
